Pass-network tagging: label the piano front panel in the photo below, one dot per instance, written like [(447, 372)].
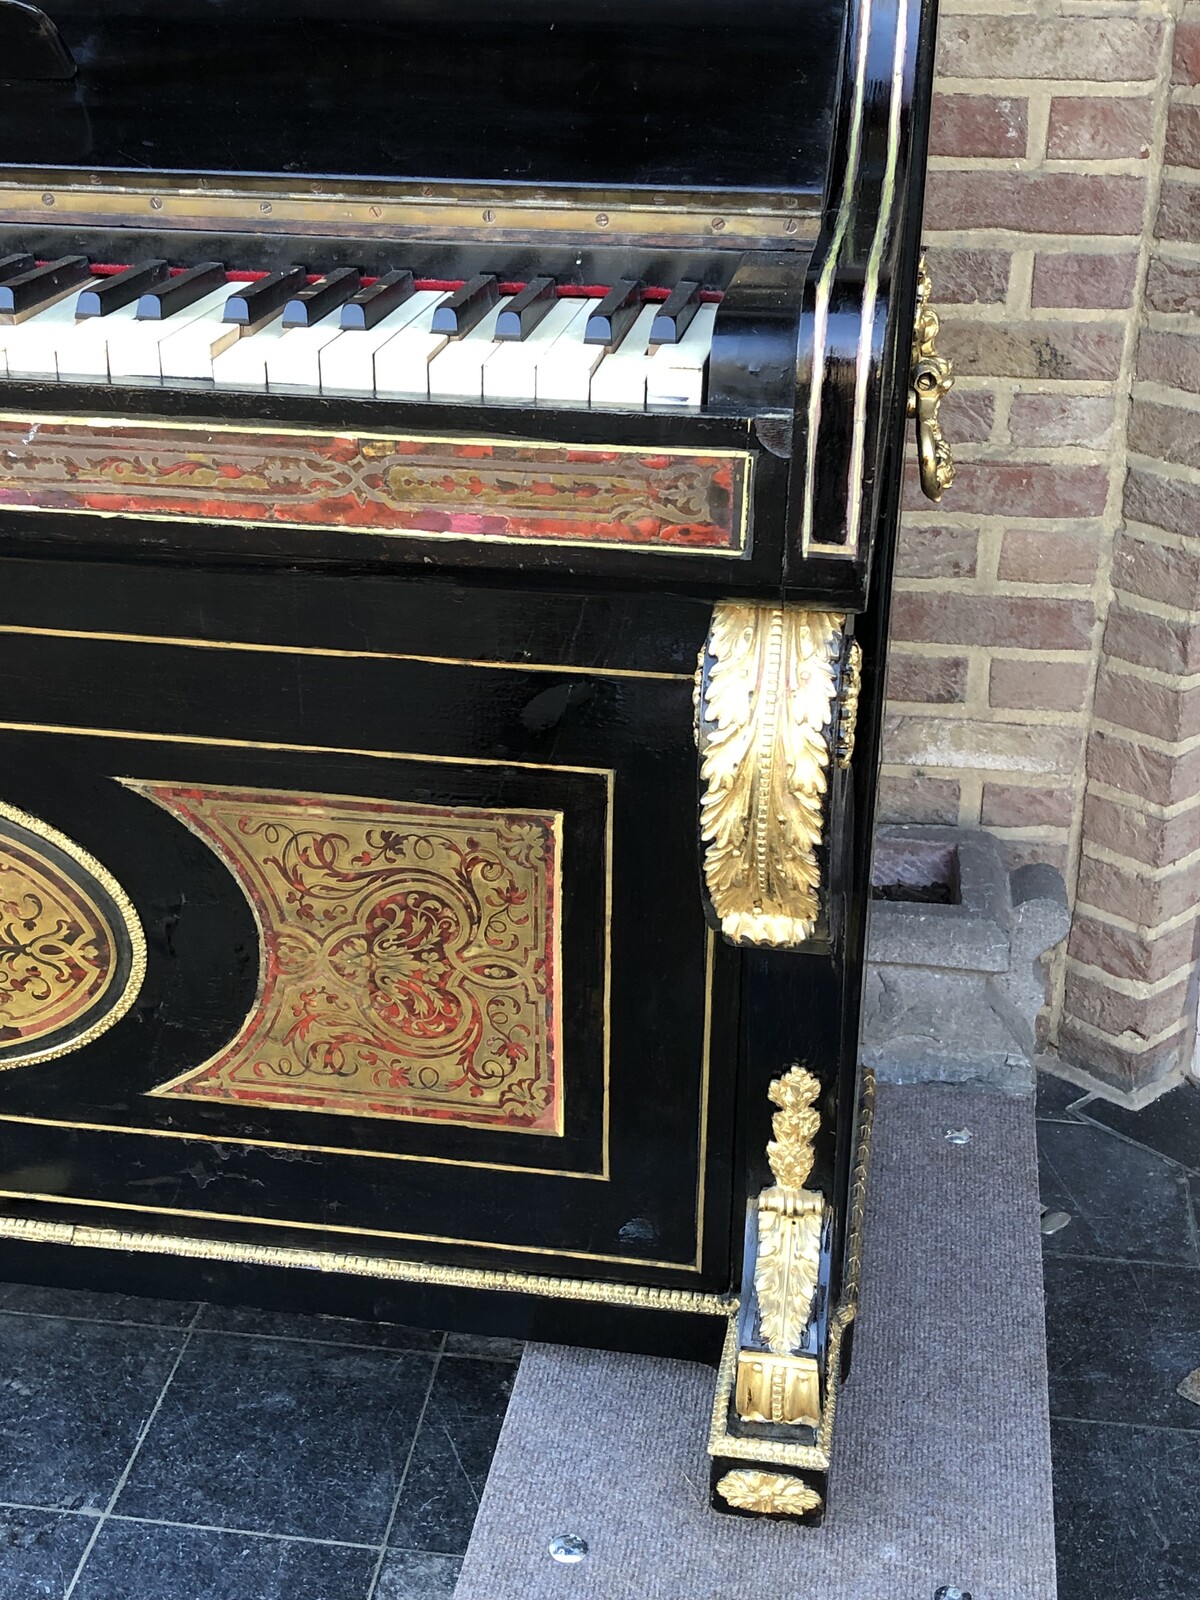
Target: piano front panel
[(404, 918)]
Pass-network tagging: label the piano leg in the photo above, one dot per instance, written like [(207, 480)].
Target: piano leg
[(776, 707)]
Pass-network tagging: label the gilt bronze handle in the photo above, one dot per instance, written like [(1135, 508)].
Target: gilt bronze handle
[(932, 379)]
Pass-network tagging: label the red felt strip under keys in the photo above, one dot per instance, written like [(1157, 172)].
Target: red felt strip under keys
[(566, 291)]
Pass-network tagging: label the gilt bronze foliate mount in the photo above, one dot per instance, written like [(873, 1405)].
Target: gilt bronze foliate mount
[(932, 380)]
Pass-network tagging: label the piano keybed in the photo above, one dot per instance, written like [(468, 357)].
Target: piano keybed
[(392, 336)]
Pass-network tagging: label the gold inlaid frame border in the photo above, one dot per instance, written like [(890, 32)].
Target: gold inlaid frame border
[(706, 1063), (738, 551), (130, 924)]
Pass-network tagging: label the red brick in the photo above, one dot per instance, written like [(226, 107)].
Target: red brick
[(1128, 831), (1119, 1013), (1013, 621), (977, 125), (1020, 852), (1157, 710), (1133, 956), (1170, 358), (1026, 805), (1075, 350), (1183, 137), (1030, 489), (1178, 211), (1123, 763), (1124, 891), (930, 680), (1163, 502), (1125, 1069), (1060, 202), (1172, 433), (1087, 281), (1045, 419), (916, 797), (1167, 644), (925, 552), (968, 277), (1186, 67), (1107, 50), (1038, 685), (1173, 285), (1048, 555), (1099, 128), (1156, 571)]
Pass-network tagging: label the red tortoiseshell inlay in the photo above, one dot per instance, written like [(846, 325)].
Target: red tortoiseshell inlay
[(509, 492), (409, 962)]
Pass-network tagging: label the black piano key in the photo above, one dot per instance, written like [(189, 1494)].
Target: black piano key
[(369, 306), (256, 303), (460, 312), (41, 286), (177, 293), (14, 266), (120, 289), (525, 310), (676, 312), (615, 315), (305, 310)]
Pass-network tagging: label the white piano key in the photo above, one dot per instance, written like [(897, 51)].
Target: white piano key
[(27, 349), (133, 352), (244, 364), (348, 364), (510, 372), (294, 361), (402, 364), (565, 376), (82, 351), (675, 373), (190, 353), (456, 373), (620, 379)]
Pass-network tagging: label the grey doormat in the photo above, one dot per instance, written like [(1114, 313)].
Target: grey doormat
[(942, 1450)]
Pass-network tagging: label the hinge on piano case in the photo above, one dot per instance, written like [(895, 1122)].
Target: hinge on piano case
[(932, 379)]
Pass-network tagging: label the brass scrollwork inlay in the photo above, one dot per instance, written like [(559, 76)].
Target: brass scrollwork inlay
[(772, 1494), (932, 380), (765, 706)]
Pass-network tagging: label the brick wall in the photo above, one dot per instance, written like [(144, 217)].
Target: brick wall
[(1045, 680)]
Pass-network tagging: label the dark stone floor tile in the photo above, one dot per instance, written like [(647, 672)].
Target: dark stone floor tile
[(139, 1561), (1119, 1338), (1125, 1512), (39, 1552), (45, 1300), (278, 1437), (1056, 1098), (1123, 1201), (321, 1329), (417, 1575), (74, 1397), (482, 1344), (1170, 1125), (437, 1506)]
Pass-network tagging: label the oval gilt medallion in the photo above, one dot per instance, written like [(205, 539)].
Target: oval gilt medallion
[(72, 952)]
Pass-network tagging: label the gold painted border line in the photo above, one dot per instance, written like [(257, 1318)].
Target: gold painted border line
[(335, 653), (738, 550), (647, 1297), (349, 1229)]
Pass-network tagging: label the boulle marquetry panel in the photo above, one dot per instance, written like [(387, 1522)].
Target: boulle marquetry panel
[(409, 961), (72, 954), (522, 491)]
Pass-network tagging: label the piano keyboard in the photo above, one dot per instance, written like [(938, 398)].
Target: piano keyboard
[(393, 337)]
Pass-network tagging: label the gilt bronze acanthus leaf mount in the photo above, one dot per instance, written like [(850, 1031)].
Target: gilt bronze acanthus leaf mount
[(772, 1494), (765, 709)]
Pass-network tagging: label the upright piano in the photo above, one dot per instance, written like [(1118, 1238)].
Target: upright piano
[(449, 463)]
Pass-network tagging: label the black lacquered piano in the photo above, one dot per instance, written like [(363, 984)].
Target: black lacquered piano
[(449, 463)]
